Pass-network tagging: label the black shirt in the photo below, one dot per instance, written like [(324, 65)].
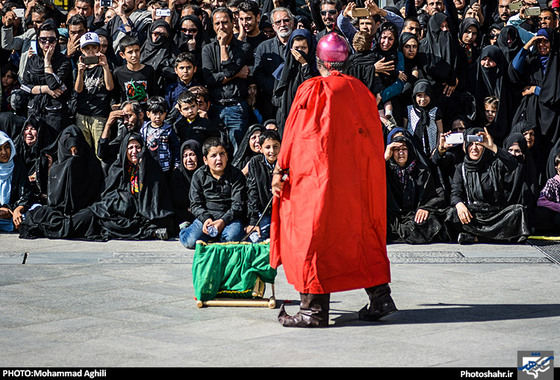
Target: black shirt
[(135, 85), (214, 70), (94, 100), (222, 198)]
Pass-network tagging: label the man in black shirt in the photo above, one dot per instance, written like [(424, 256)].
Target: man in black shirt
[(218, 194), (225, 70)]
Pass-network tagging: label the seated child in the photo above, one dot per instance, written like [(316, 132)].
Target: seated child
[(160, 138), (218, 194), (259, 181)]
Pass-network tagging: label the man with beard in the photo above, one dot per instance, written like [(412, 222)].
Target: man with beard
[(129, 118), (269, 55), (249, 19)]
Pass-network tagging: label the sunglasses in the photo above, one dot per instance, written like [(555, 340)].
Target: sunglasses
[(329, 12), (44, 40)]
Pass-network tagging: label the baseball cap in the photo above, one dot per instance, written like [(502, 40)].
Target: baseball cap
[(89, 38)]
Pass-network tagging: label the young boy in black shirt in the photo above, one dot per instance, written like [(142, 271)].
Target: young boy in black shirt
[(134, 80), (259, 180), (191, 126), (92, 87), (218, 195)]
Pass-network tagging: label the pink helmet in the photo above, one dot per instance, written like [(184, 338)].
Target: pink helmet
[(332, 48)]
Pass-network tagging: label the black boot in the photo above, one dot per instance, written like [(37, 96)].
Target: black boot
[(380, 303), (313, 312)]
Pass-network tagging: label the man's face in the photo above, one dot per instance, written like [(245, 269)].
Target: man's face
[(130, 118), (503, 9), (76, 31), (222, 23), (282, 24), (546, 20), (185, 71), (83, 8), (412, 27), (366, 24), (434, 6), (329, 15), (216, 159), (129, 5), (248, 21), (37, 19)]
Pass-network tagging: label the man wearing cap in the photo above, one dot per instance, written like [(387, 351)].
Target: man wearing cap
[(93, 85), (329, 211)]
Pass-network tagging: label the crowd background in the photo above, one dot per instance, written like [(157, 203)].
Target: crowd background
[(147, 119)]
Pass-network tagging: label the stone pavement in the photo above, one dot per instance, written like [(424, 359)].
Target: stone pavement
[(130, 304)]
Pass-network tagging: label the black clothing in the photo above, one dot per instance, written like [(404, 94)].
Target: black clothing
[(122, 213), (521, 185), (259, 192), (136, 85), (480, 186), (199, 129), (269, 55), (181, 183), (244, 152), (74, 182), (222, 198), (409, 189), (290, 74), (215, 70), (160, 55), (95, 99)]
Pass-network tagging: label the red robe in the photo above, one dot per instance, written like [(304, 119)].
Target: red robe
[(329, 224)]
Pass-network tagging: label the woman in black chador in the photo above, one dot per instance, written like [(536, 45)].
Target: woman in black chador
[(135, 204), (414, 202), (191, 160), (74, 181), (480, 211)]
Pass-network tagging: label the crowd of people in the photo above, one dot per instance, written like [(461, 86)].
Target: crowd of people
[(146, 119)]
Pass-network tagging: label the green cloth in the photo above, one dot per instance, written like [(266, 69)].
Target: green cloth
[(230, 269)]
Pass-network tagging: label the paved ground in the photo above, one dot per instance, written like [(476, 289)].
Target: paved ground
[(130, 304)]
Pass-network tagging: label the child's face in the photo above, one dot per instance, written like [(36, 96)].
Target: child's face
[(422, 99), (490, 112), (8, 79), (254, 142), (131, 54), (157, 118), (185, 71), (216, 159), (90, 50), (189, 110), (270, 148), (301, 45)]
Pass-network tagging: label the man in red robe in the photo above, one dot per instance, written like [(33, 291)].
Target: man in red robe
[(329, 212)]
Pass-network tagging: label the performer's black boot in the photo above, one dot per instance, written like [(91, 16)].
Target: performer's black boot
[(381, 303), (313, 312)]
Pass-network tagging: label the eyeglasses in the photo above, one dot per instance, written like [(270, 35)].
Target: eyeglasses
[(187, 30), (330, 12), (493, 36), (44, 40), (282, 21)]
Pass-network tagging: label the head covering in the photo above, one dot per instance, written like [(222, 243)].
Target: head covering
[(6, 170), (421, 131), (509, 42), (89, 38), (439, 50), (332, 48), (160, 52)]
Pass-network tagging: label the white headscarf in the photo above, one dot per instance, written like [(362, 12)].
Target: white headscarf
[(6, 171)]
